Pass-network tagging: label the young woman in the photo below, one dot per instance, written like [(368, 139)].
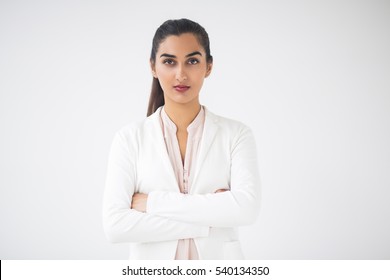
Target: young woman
[(180, 182)]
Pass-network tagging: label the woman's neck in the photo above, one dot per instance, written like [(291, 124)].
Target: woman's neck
[(182, 115)]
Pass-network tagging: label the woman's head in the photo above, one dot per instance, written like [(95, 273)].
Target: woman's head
[(178, 27), (180, 56)]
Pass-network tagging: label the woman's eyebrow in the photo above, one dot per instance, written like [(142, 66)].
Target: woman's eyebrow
[(193, 53), (174, 56), (168, 55)]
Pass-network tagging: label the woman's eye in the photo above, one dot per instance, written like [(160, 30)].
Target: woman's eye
[(193, 61), (168, 62)]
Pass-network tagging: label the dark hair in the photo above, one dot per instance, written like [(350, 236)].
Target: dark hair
[(168, 28)]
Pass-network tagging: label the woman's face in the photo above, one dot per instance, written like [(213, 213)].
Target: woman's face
[(181, 67)]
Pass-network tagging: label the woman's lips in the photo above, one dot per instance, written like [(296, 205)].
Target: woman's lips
[(181, 88)]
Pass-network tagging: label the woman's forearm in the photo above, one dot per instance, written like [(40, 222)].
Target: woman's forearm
[(226, 209)]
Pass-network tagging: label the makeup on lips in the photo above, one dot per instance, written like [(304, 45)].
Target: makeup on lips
[(181, 88)]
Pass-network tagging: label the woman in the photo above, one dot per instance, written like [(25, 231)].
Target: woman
[(181, 181)]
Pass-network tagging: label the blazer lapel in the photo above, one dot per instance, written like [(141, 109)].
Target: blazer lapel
[(209, 132), (161, 147)]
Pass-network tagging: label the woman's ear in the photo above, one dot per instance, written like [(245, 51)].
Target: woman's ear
[(209, 68), (153, 68)]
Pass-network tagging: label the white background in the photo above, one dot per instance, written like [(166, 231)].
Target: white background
[(311, 78)]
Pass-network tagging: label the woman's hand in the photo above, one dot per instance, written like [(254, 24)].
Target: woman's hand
[(139, 201)]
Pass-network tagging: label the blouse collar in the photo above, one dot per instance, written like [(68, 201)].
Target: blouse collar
[(195, 124)]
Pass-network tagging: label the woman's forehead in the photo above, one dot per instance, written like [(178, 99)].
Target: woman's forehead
[(180, 45)]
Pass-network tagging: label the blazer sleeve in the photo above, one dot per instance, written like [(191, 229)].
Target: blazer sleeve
[(122, 224), (239, 206)]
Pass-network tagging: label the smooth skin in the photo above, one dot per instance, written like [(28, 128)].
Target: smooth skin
[(180, 60)]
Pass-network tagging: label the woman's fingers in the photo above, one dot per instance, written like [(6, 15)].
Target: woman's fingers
[(138, 202), (221, 190)]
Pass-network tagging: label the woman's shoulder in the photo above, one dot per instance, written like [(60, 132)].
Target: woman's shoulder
[(233, 130), (135, 127), (225, 122)]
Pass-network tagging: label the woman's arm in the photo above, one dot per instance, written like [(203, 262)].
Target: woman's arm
[(239, 206), (122, 224), (140, 200)]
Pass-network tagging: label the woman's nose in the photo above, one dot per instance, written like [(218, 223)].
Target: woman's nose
[(181, 75)]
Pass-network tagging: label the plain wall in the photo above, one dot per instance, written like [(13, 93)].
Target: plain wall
[(311, 78)]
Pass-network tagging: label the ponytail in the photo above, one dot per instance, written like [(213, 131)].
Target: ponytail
[(156, 98)]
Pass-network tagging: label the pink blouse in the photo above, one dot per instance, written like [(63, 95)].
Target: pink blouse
[(186, 249)]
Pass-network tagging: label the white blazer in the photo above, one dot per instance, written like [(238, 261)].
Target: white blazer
[(139, 162)]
